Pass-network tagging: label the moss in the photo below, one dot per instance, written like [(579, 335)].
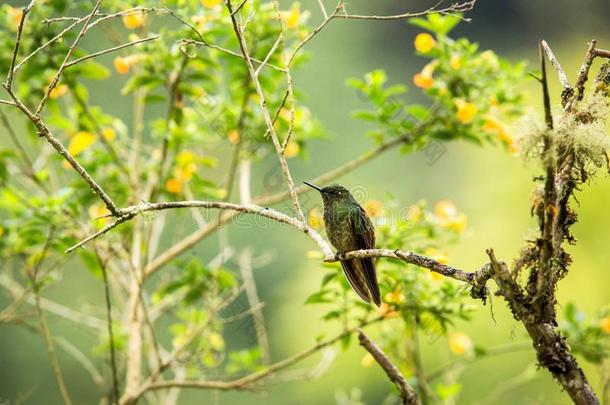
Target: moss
[(583, 130)]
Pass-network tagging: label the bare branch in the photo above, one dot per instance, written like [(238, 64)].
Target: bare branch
[(11, 74), (268, 121), (109, 50), (408, 396), (563, 78), (63, 66)]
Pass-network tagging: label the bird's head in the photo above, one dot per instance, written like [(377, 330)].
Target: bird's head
[(333, 193)]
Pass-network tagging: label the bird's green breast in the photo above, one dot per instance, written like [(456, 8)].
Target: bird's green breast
[(338, 226)]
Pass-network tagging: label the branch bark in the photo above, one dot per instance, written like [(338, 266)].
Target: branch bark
[(408, 396)]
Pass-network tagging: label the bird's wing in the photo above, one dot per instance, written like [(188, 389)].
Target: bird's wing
[(364, 233), (355, 278)]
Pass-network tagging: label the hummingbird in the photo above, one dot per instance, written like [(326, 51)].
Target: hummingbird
[(349, 228)]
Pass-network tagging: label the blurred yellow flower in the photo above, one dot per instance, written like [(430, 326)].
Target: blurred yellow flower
[(185, 157), (96, 212), (414, 213), (109, 134), (386, 311), (14, 14), (490, 58), (424, 42), (199, 21), (173, 186), (455, 62), (210, 3), (315, 219), (457, 223), (185, 173), (604, 324), (423, 81), (80, 141), (133, 21), (367, 360), (121, 65), (293, 16), (373, 208), (494, 126), (439, 256), (465, 111), (292, 149), (217, 342), (459, 343), (1, 231), (436, 276), (233, 136), (445, 209), (394, 297), (58, 91)]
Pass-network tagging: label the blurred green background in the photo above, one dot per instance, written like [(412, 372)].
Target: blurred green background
[(490, 186)]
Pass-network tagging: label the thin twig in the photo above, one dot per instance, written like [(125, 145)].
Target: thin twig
[(11, 73), (113, 364), (64, 64), (109, 50), (548, 116), (563, 78), (44, 328), (267, 117), (407, 394)]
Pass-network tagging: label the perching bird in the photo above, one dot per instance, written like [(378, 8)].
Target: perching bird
[(349, 228)]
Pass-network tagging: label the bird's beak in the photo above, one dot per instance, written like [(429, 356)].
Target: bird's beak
[(313, 186)]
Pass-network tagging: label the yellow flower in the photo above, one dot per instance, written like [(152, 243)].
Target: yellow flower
[(80, 141), (58, 91), (185, 173), (414, 213), (121, 65), (210, 3), (490, 58), (423, 81), (445, 209), (293, 16), (315, 219), (14, 14), (457, 223), (373, 208), (367, 361), (96, 212), (386, 311), (217, 342), (465, 111), (233, 136), (494, 126), (173, 186), (109, 134), (604, 324), (439, 256), (455, 62), (436, 276), (292, 149), (133, 21), (424, 42), (1, 231), (459, 343), (394, 297), (185, 158)]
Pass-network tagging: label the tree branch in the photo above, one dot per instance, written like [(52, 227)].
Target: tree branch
[(407, 395)]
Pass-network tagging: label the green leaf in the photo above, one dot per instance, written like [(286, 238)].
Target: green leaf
[(318, 297), (93, 71)]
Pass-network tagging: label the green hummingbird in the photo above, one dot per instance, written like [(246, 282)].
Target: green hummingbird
[(349, 228)]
